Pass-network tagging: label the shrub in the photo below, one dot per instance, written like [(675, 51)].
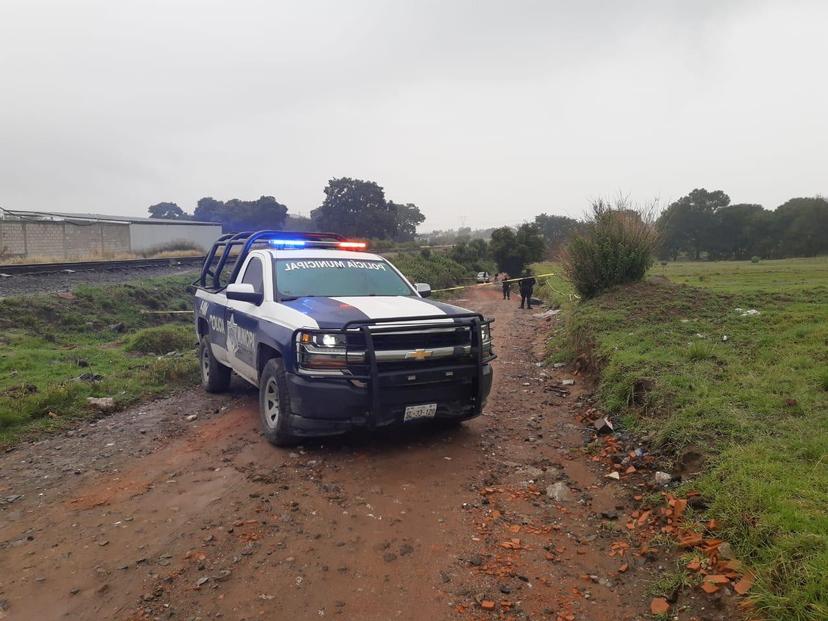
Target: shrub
[(614, 247), (754, 259), (162, 339), (437, 270)]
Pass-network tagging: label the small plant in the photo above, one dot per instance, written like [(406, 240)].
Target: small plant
[(162, 339), (755, 259), (699, 350), (615, 247)]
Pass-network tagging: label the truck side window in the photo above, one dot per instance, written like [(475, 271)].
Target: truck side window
[(253, 275)]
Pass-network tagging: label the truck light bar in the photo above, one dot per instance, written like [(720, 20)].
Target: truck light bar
[(287, 242), (352, 245)]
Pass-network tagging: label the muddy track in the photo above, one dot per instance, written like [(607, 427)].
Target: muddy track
[(146, 515)]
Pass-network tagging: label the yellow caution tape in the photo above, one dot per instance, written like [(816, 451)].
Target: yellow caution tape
[(487, 284)]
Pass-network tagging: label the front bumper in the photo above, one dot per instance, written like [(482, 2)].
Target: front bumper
[(330, 406)]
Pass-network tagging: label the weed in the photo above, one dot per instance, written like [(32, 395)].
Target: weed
[(615, 247), (162, 339)]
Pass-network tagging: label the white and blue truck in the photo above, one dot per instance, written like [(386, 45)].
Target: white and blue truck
[(334, 338)]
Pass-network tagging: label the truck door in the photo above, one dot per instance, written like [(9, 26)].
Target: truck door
[(242, 323)]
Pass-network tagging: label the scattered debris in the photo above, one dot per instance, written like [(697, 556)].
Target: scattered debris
[(659, 606), (747, 312), (603, 426), (102, 404), (662, 478), (559, 491)]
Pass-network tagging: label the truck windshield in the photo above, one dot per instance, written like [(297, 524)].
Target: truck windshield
[(296, 278)]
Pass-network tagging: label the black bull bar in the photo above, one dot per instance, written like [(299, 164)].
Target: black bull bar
[(369, 328)]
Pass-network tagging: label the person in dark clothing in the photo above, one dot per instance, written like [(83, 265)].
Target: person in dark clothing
[(527, 284), (507, 287)]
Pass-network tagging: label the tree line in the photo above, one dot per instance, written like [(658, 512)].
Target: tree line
[(706, 224), (352, 207)]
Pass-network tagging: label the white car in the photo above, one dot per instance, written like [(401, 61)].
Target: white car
[(483, 277)]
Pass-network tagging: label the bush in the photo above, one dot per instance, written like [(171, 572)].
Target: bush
[(162, 339), (754, 259), (437, 269), (615, 246)]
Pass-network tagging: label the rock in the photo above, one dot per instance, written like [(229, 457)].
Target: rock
[(476, 560), (102, 404), (388, 557), (505, 589), (191, 418), (118, 327), (662, 478), (603, 426), (406, 549), (613, 475), (202, 581), (609, 515), (223, 575), (726, 551), (559, 491), (567, 382)]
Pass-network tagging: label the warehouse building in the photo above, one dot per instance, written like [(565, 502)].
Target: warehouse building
[(40, 234)]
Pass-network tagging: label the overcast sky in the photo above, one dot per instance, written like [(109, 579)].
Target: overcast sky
[(484, 113)]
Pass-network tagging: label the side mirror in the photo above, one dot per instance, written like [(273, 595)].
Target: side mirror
[(243, 292), (423, 289)]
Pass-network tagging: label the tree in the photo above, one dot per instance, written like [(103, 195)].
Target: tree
[(355, 208), (237, 215), (167, 211), (687, 223), (556, 230), (739, 232), (514, 250), (358, 208), (801, 227), (406, 220), (474, 255)]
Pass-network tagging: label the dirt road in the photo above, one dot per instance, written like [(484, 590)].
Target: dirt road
[(147, 515)]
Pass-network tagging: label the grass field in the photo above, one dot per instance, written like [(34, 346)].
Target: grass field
[(749, 390), (56, 352)]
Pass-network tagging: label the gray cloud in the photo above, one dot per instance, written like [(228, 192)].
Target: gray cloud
[(484, 111)]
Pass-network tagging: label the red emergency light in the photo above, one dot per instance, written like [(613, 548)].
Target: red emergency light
[(352, 245)]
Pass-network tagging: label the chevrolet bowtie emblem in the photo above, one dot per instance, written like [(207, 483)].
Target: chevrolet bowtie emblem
[(419, 354)]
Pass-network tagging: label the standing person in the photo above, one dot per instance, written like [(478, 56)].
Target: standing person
[(507, 287), (527, 284)]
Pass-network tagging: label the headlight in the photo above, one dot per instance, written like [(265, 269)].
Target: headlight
[(322, 339), (485, 333), (321, 351)]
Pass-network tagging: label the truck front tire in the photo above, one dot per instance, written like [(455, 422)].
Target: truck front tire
[(215, 377), (274, 404)]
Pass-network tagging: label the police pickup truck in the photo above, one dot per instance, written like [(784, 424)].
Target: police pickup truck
[(334, 338)]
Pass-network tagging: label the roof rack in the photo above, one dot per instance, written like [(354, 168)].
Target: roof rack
[(225, 245)]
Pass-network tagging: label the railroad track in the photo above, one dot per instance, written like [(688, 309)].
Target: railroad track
[(95, 266)]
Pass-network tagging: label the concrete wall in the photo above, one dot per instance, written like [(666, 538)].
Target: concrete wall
[(62, 240), (144, 236), (68, 240)]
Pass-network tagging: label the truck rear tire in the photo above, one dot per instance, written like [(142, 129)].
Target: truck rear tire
[(274, 404), (215, 377)]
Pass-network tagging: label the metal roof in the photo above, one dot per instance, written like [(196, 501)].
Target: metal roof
[(96, 217)]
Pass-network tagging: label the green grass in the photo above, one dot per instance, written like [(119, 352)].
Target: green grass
[(56, 352), (755, 402)]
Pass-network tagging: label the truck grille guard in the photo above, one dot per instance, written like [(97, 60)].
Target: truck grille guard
[(372, 358)]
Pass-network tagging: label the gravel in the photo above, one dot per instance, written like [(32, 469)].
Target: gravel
[(53, 283)]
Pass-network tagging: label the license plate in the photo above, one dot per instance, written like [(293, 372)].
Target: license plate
[(414, 412)]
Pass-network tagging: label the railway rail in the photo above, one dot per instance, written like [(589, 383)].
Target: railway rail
[(95, 266)]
